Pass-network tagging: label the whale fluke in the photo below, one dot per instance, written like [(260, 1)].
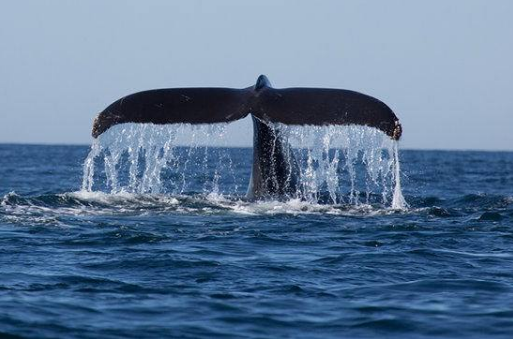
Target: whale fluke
[(275, 172), (291, 106), (176, 105), (322, 106)]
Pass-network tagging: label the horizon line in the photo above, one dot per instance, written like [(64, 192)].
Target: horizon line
[(242, 146)]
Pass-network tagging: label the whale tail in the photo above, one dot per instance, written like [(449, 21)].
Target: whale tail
[(291, 106), (275, 171)]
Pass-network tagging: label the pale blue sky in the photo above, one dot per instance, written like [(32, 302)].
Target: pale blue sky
[(445, 67)]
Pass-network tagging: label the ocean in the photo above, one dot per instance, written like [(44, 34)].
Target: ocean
[(183, 257)]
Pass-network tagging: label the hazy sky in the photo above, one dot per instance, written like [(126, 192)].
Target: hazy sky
[(445, 67)]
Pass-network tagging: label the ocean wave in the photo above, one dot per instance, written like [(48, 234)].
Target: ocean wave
[(50, 208), (83, 202)]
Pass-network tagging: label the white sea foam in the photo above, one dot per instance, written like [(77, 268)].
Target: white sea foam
[(50, 209)]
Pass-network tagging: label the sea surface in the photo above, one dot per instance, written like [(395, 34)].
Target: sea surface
[(199, 264)]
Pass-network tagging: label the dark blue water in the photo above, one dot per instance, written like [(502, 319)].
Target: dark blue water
[(91, 265)]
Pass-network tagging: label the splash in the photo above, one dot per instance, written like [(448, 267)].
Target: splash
[(144, 158), (351, 165), (398, 201)]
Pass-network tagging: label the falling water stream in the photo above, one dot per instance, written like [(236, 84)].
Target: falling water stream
[(338, 164)]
